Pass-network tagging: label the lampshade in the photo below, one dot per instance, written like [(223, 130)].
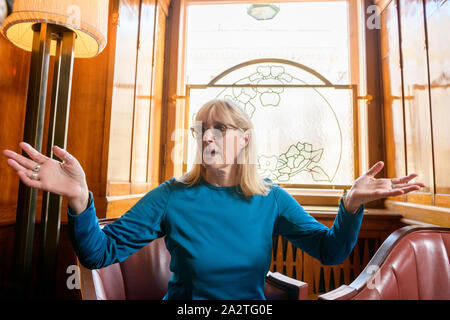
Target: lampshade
[(263, 11), (87, 18), (3, 10)]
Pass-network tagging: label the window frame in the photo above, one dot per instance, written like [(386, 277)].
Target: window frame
[(318, 194)]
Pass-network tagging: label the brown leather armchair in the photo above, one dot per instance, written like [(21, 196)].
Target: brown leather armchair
[(145, 275), (411, 264)]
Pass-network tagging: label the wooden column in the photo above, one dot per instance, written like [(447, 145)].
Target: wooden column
[(375, 136), (174, 85)]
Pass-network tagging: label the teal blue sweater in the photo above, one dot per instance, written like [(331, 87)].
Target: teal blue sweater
[(220, 241)]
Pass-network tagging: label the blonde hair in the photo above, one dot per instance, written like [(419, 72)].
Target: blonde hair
[(250, 181)]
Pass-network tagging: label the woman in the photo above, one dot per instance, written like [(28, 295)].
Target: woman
[(218, 218)]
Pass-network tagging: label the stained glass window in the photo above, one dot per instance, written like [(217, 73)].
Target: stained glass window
[(304, 123)]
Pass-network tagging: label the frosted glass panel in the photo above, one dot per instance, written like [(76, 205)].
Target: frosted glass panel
[(220, 36)]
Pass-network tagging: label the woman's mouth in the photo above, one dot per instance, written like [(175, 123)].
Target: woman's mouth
[(209, 149), (211, 152)]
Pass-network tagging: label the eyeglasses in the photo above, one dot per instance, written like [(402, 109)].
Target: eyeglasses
[(219, 126)]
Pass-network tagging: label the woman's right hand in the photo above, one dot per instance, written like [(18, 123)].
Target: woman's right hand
[(64, 178)]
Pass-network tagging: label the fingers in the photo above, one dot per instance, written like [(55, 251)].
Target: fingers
[(390, 193), (409, 188), (20, 160), (24, 174), (63, 154), (404, 179), (33, 153), (403, 185), (375, 169), (383, 193), (16, 166), (29, 182)]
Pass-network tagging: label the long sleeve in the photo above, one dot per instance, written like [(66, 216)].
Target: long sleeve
[(329, 245), (97, 248)]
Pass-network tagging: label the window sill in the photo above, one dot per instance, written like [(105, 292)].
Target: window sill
[(318, 197)]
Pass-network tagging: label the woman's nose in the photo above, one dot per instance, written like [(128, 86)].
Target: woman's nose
[(209, 135)]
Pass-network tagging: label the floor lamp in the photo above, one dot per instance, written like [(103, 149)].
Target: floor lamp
[(66, 29)]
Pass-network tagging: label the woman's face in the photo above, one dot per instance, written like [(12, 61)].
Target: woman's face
[(221, 144)]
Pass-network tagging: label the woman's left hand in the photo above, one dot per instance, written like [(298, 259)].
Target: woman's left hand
[(367, 188)]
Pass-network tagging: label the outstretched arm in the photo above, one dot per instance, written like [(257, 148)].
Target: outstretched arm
[(329, 245), (95, 247), (333, 245)]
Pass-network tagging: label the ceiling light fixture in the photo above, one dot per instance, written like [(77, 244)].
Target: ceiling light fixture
[(264, 11)]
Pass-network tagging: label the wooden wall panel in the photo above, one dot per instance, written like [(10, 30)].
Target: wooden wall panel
[(438, 26), (416, 97), (14, 70), (142, 98), (121, 128), (87, 121), (392, 93)]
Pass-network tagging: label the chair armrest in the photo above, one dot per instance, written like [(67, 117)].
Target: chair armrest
[(344, 292), (279, 286), (87, 283)]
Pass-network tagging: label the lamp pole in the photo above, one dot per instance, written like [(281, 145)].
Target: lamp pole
[(57, 134), (59, 118), (33, 131)]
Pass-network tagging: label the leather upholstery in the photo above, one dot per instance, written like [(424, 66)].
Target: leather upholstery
[(415, 266), (145, 275)]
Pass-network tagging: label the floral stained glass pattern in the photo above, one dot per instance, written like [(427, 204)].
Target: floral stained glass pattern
[(299, 157)]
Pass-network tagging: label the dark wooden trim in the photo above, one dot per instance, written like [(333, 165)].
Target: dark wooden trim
[(375, 116), (173, 84), (433, 155)]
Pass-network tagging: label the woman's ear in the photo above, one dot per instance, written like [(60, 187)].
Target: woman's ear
[(245, 138)]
